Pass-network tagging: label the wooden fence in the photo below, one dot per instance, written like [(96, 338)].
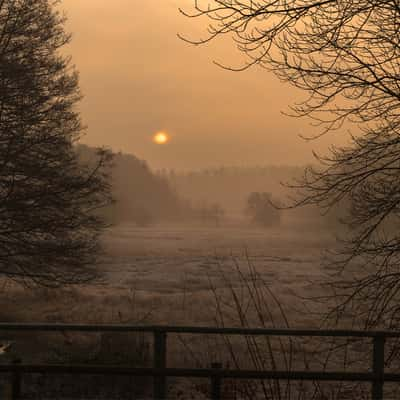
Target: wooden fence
[(160, 371)]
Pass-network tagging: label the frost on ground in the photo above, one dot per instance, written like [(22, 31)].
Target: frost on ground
[(163, 274), (172, 275), (172, 267)]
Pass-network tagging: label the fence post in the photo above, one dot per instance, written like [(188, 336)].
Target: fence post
[(16, 382), (160, 362), (378, 366), (216, 383)]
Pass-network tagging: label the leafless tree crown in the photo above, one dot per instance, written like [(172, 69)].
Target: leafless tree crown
[(48, 198), (345, 54)]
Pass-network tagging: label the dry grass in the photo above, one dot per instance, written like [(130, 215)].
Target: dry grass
[(180, 275)]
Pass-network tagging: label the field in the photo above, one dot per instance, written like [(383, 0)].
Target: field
[(232, 275), (173, 267), (163, 274), (171, 274)]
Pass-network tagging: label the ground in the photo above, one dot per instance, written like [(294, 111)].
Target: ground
[(169, 265), (163, 274), (178, 275)]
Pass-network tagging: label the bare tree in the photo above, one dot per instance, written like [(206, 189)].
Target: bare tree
[(260, 208), (346, 56), (49, 225)]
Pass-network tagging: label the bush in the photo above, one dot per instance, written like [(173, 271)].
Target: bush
[(261, 210)]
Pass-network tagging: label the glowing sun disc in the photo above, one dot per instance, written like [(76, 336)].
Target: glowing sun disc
[(161, 138)]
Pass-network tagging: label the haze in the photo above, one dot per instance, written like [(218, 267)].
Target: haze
[(203, 252), (138, 78)]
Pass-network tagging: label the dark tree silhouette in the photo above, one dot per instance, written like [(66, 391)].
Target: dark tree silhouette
[(261, 210), (49, 226), (346, 56)]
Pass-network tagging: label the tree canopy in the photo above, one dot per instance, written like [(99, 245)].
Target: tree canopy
[(260, 208), (48, 227), (346, 56), (343, 53)]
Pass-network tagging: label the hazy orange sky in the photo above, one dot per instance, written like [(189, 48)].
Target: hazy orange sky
[(137, 78)]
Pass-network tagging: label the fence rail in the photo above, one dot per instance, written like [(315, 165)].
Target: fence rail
[(160, 372)]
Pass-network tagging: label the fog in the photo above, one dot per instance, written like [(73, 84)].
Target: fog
[(137, 78), (192, 199)]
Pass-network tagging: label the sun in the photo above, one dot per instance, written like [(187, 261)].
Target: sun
[(161, 138)]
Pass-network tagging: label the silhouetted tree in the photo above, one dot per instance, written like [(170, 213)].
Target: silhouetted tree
[(346, 56), (259, 207), (49, 226)]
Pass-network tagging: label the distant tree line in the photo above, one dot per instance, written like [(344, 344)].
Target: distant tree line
[(141, 196), (230, 186)]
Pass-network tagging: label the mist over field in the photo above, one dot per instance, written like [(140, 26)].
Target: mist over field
[(199, 199), (178, 246)]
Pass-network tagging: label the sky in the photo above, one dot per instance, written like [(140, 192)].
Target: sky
[(138, 78)]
